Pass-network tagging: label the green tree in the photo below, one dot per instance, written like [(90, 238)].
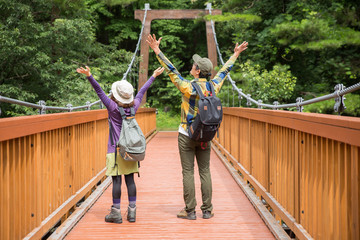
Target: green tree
[(275, 85), (42, 44), (318, 40)]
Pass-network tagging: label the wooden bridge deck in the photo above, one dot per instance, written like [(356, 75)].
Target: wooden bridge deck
[(159, 198)]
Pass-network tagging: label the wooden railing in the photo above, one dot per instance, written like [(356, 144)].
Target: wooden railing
[(48, 163), (304, 166)]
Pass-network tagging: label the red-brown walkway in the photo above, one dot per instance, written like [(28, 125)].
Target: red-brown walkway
[(159, 198)]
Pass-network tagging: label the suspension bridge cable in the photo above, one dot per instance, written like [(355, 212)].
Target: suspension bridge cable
[(222, 61), (42, 107), (138, 43), (338, 94)]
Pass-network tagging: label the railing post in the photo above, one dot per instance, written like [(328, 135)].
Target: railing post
[(298, 107), (42, 110), (339, 100), (233, 93), (276, 103), (70, 107), (88, 105), (240, 97), (260, 102), (248, 103)]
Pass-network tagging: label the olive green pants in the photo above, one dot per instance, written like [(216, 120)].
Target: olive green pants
[(188, 150)]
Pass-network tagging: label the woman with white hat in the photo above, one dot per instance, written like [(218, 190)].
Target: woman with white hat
[(123, 96)]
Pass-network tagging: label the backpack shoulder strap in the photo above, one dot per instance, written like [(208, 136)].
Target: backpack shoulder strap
[(132, 112), (212, 89), (110, 132), (122, 112), (198, 89)]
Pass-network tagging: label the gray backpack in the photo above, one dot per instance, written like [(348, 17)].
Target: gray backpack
[(131, 143)]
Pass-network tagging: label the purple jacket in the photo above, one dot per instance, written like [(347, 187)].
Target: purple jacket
[(112, 107)]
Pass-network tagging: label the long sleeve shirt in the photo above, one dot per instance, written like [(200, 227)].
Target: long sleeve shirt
[(113, 111), (189, 105)]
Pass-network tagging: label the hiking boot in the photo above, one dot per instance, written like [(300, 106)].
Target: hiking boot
[(131, 215), (187, 215), (207, 214), (114, 216)]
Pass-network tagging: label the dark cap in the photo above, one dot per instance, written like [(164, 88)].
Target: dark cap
[(205, 65)]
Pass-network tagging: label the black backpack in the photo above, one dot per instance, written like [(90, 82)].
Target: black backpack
[(209, 117)]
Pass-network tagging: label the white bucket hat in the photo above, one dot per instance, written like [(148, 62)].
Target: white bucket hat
[(123, 91)]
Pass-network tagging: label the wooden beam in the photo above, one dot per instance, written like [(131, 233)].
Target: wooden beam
[(171, 14), (211, 46), (23, 126), (174, 14)]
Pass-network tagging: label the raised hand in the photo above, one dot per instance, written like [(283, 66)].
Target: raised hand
[(239, 48), (84, 71), (153, 43), (158, 71)]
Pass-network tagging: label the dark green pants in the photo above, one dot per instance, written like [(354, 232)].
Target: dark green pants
[(188, 149)]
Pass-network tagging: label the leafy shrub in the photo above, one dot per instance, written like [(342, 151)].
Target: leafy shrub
[(167, 121), (274, 85)]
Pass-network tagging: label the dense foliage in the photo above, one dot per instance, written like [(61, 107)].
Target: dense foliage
[(42, 44), (298, 48)]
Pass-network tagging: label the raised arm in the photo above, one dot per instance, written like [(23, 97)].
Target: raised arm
[(239, 48), (154, 44), (182, 84), (146, 86), (139, 96), (104, 99), (218, 80)]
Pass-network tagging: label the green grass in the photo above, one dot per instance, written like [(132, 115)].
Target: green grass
[(167, 121)]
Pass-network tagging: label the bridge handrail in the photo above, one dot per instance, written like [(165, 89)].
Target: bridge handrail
[(42, 107), (304, 167)]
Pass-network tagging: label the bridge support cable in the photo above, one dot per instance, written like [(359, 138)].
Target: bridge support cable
[(147, 7), (41, 106), (338, 95)]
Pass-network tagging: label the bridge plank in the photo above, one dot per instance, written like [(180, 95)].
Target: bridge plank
[(160, 198)]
